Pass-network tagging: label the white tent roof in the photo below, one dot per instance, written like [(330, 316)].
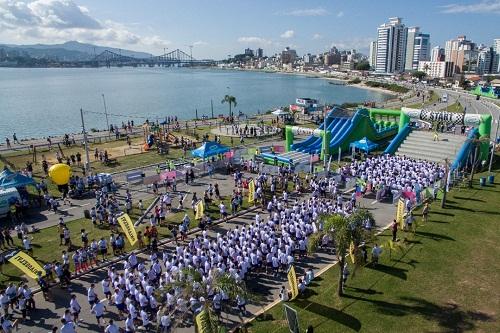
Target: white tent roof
[(279, 112)]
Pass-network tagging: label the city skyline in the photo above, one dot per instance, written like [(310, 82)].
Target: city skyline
[(226, 28)]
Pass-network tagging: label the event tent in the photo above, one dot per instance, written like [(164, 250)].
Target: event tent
[(365, 145), (208, 149), (279, 112), (10, 179)]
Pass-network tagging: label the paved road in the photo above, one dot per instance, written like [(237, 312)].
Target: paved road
[(49, 313), (45, 218)]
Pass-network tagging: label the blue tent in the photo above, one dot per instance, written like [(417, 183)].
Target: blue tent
[(208, 149), (364, 144), (10, 179)]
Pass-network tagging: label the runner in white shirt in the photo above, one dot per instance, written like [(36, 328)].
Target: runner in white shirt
[(129, 324), (98, 309), (91, 295), (67, 327), (145, 320), (111, 328), (165, 323), (75, 308), (106, 288)]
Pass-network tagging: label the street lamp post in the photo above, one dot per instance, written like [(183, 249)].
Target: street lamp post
[(86, 145), (106, 113)]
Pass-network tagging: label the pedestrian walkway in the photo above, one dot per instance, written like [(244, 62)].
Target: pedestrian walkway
[(48, 314)]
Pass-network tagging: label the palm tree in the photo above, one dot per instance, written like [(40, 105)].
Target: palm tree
[(344, 230), (190, 283), (231, 100)]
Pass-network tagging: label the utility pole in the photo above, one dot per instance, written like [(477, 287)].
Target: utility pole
[(445, 188), (86, 144), (106, 113), (474, 160), (494, 146), (212, 107)]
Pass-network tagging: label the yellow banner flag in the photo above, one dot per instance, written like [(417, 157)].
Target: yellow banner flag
[(351, 252), (27, 264), (292, 281), (128, 228), (400, 213), (251, 191), (199, 321), (200, 210)]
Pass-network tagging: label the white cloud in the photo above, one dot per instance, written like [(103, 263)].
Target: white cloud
[(317, 36), (319, 11), (54, 21), (483, 7), (340, 14), (353, 43), (200, 43), (288, 34), (254, 40)]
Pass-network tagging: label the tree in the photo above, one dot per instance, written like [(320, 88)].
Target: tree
[(190, 283), (419, 75), (462, 83), (363, 65), (344, 230), (231, 100)]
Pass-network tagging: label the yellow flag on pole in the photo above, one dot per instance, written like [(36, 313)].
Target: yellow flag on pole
[(400, 213), (292, 281), (351, 252), (200, 210), (27, 264), (251, 191), (199, 321), (128, 228)]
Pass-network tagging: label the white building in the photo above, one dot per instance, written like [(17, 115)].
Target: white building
[(373, 54), (391, 47), (418, 48), (437, 54), (436, 69), (410, 46), (496, 48), (487, 61)]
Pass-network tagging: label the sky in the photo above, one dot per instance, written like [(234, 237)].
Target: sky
[(218, 28)]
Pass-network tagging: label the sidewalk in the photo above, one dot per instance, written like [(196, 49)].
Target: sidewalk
[(49, 313)]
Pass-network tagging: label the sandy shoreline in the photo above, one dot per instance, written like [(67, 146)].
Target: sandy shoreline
[(318, 76)]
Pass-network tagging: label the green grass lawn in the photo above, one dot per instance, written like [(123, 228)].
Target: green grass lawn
[(46, 241), (431, 100), (455, 107), (445, 281)]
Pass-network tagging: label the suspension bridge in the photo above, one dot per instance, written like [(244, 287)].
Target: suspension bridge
[(175, 58)]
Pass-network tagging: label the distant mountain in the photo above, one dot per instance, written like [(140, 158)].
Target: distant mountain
[(69, 51)]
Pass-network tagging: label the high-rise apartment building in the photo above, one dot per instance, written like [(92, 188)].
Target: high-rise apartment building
[(391, 47), (410, 45), (373, 54), (462, 53), (288, 56), (260, 53), (437, 54), (417, 48), (496, 48), (249, 52), (487, 61)]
